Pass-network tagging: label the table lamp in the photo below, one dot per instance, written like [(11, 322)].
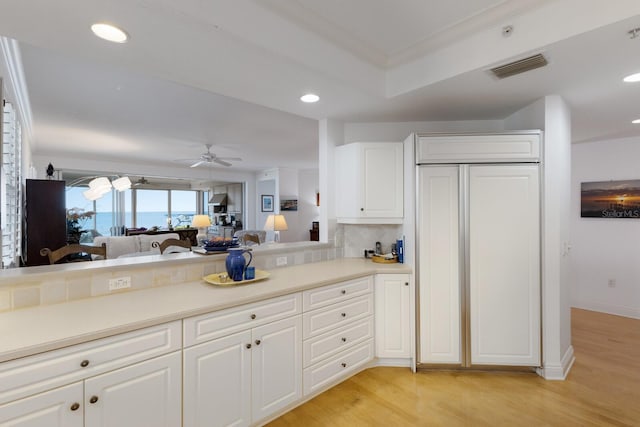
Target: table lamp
[(276, 223), (201, 222)]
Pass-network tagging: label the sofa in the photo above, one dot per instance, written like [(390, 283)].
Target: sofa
[(130, 246)]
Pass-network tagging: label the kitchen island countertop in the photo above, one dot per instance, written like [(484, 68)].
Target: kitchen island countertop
[(34, 330)]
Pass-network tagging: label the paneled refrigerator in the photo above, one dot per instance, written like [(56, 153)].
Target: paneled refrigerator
[(478, 250)]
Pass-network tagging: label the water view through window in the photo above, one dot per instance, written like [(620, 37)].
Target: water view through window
[(152, 208)]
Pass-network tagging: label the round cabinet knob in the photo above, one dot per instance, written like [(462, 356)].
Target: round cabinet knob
[(84, 363), (93, 399), (75, 406), (258, 342), (362, 209), (344, 339), (344, 365), (248, 345), (253, 316), (343, 292), (343, 314), (406, 283)]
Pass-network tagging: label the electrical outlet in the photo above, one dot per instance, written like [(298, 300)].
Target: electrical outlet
[(119, 283), (612, 283), (281, 260)]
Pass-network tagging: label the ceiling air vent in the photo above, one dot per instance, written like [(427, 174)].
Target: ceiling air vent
[(520, 66)]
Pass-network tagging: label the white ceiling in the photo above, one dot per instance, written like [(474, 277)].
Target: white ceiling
[(229, 72)]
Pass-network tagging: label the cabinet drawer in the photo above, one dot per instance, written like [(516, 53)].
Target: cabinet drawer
[(326, 319), (33, 374), (337, 367), (224, 322), (327, 295), (325, 345)]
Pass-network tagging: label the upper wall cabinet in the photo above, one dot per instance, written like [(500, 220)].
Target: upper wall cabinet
[(474, 148), (369, 183)]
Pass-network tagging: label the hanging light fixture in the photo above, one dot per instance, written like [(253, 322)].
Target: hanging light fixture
[(101, 185)]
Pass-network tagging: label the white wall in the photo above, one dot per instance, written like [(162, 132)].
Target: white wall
[(308, 186), (604, 249), (552, 115)]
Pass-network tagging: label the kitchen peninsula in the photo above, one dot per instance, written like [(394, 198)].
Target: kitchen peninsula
[(287, 321)]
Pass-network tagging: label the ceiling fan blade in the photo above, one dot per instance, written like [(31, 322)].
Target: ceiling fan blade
[(233, 159), (221, 162), (198, 163)]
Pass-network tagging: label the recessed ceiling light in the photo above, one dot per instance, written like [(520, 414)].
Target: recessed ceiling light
[(109, 32), (636, 122), (632, 78), (310, 97)]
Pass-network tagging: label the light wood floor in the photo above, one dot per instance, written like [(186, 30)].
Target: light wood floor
[(602, 389)]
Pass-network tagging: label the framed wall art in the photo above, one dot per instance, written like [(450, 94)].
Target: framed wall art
[(610, 199), (267, 203)]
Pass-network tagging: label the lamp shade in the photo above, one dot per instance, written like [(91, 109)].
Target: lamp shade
[(100, 184), (91, 194), (122, 183), (275, 223), (200, 221)]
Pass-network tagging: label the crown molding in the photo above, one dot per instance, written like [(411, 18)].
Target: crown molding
[(11, 55)]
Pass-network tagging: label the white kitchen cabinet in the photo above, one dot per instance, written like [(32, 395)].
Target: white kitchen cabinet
[(116, 381), (338, 330), (276, 366), (245, 377), (147, 394), (234, 198), (479, 251), (369, 177), (504, 265), (393, 315), (217, 382), (61, 407)]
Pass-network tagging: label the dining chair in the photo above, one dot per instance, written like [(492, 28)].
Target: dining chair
[(72, 249)]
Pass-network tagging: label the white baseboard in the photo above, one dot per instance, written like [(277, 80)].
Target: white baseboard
[(398, 362), (617, 310), (558, 372)]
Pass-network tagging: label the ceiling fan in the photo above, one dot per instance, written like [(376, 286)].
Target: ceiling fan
[(209, 158)]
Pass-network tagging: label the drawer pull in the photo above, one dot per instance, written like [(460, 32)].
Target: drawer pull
[(75, 406), (248, 345), (343, 292), (344, 365), (343, 314), (84, 363), (253, 316), (344, 339), (93, 399), (258, 342)]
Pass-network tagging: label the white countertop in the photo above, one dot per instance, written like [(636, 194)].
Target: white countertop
[(34, 330)]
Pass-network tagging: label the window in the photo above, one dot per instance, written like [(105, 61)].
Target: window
[(151, 208), (11, 221), (183, 207), (135, 208)]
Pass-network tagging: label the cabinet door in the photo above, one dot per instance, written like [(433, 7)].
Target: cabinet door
[(147, 394), (439, 265), (370, 176), (276, 366), (504, 241), (217, 382), (383, 180), (62, 407), (392, 308)]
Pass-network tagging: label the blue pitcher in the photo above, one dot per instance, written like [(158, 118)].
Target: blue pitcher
[(236, 264)]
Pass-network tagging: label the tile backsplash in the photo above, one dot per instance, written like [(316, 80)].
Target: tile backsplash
[(358, 237), (52, 288)]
